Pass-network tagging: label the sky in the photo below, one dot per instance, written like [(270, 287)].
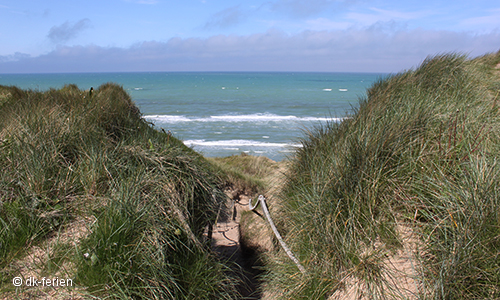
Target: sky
[(54, 36)]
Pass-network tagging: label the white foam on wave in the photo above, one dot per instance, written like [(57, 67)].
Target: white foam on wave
[(251, 118), (315, 119), (167, 118), (287, 151), (237, 118), (236, 143)]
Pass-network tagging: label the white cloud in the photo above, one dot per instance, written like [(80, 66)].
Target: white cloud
[(309, 8), (369, 50), (301, 8), (67, 31), (489, 20), (377, 15), (399, 15), (14, 57), (326, 24), (226, 18)]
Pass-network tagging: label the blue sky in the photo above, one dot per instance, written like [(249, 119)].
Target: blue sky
[(215, 35)]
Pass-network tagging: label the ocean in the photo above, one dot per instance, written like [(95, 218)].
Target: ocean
[(227, 113)]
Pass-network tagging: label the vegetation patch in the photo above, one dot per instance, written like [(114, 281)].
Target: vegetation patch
[(401, 200), (417, 161), (138, 199)]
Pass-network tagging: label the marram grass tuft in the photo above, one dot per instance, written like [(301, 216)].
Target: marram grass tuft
[(402, 199), (115, 205)]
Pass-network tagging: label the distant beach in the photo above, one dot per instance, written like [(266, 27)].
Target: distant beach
[(221, 114)]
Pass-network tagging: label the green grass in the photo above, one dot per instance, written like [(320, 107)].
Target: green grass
[(421, 152), (249, 174), (419, 155), (69, 155)]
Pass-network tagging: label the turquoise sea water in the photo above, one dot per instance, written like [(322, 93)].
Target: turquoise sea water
[(220, 114)]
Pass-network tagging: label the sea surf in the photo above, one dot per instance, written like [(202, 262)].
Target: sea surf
[(227, 113)]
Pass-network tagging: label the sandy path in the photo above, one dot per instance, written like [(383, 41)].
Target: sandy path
[(226, 243)]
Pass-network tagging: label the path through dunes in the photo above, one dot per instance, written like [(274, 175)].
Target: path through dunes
[(226, 243), (241, 236), (245, 239)]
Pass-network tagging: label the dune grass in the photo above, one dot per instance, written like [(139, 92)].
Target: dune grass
[(246, 173), (70, 155), (121, 208), (419, 155)]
